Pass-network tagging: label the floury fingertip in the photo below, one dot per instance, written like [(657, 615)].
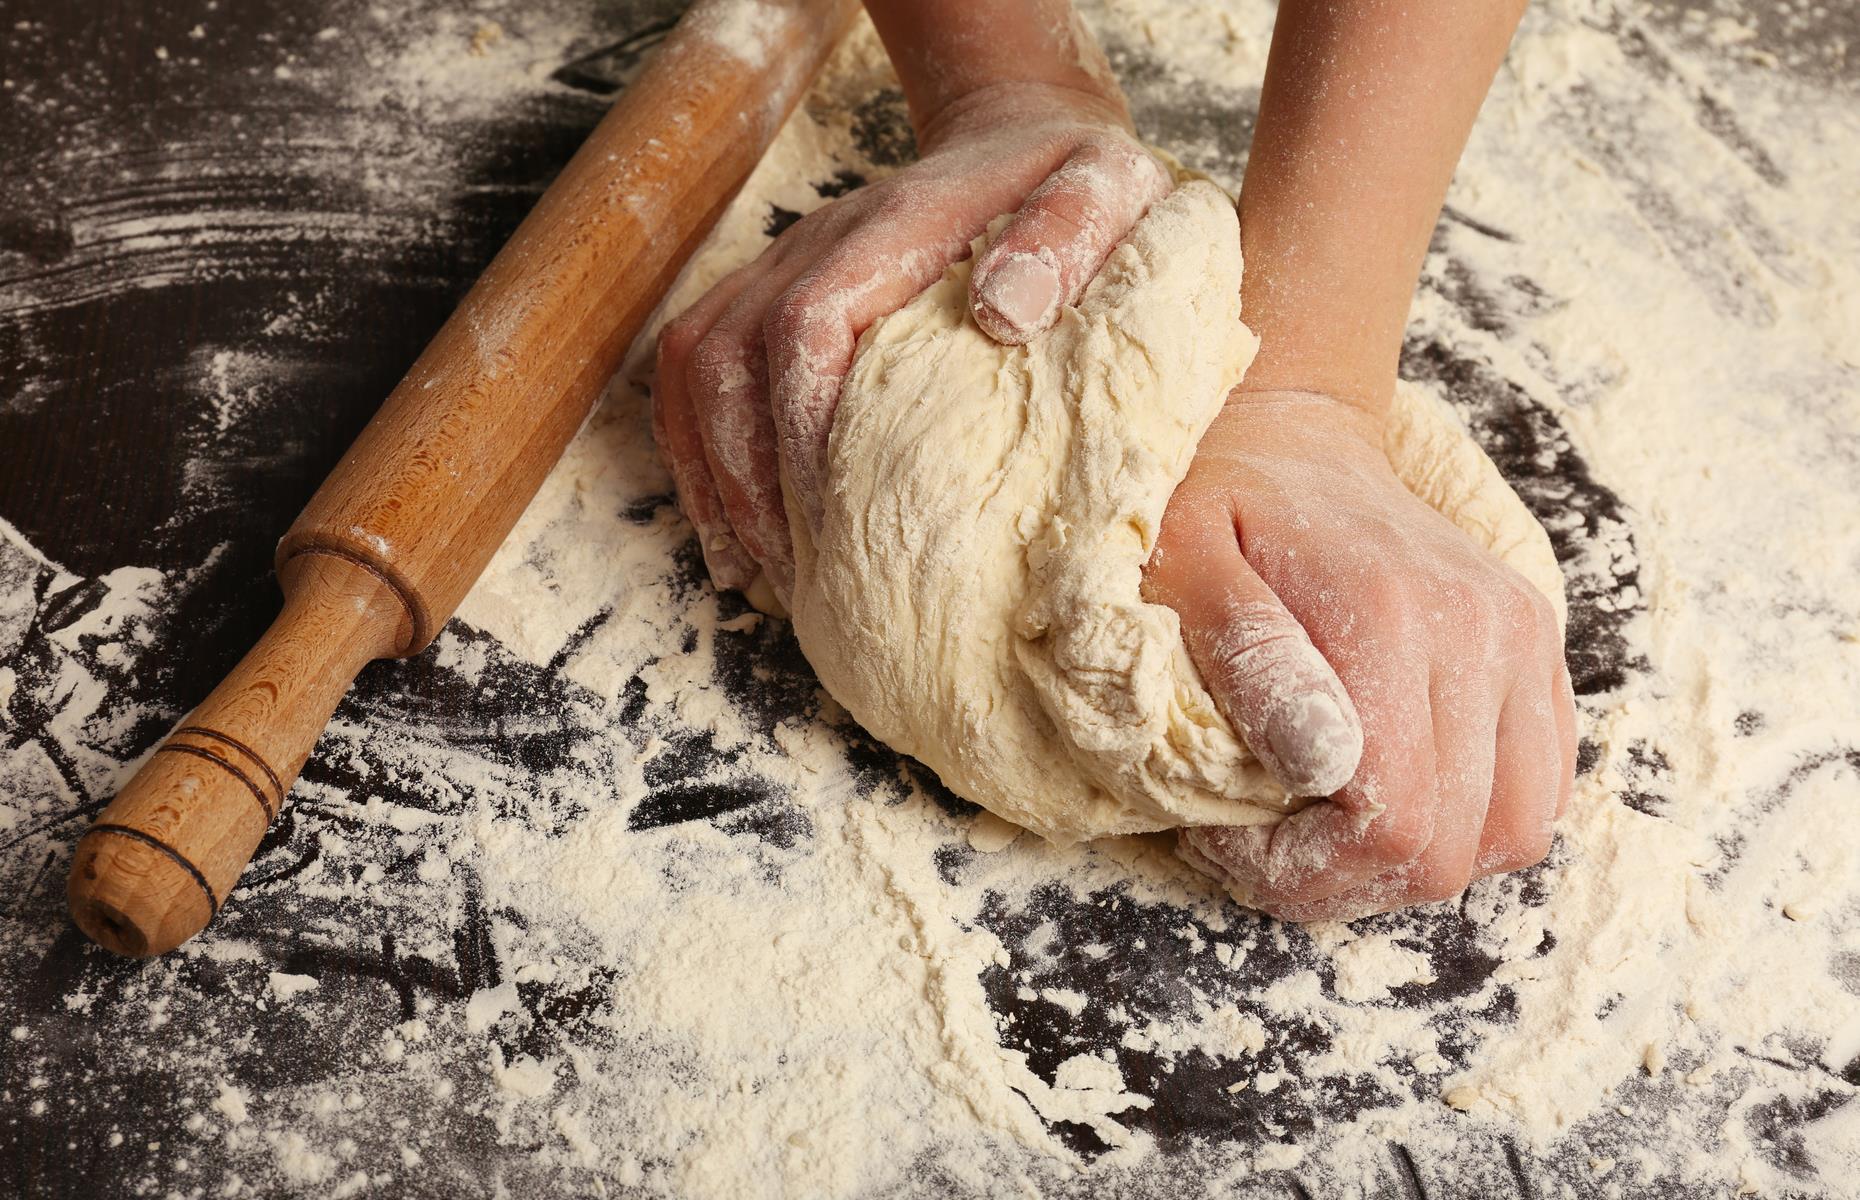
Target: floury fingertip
[(1317, 744), (1017, 299)]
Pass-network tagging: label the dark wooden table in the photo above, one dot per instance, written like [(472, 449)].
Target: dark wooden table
[(218, 211)]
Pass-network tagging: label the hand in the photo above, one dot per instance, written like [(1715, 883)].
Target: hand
[(1314, 591), (749, 376)]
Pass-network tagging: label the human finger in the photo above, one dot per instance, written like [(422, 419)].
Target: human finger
[(1382, 819), (1464, 791), (1255, 659), (812, 330), (1563, 700), (1527, 779), (1062, 233), (680, 440), (728, 383)]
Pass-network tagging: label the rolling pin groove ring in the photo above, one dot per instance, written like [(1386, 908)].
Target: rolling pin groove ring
[(251, 785), (277, 787), (136, 835), (417, 616)]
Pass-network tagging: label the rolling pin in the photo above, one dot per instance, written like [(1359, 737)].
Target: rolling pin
[(406, 522)]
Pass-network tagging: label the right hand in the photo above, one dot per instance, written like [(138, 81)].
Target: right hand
[(749, 376), (1369, 652)]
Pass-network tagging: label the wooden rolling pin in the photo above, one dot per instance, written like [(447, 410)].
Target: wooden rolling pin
[(403, 526)]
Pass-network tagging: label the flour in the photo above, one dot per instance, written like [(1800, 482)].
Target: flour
[(745, 31), (285, 986), (603, 895), (232, 1103)]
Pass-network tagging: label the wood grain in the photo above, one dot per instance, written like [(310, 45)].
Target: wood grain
[(401, 529)]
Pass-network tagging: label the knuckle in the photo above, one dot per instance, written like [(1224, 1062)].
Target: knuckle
[(1059, 226), (793, 315), (1502, 607), (1523, 611), (1463, 598), (1129, 157), (1258, 645), (1438, 886), (1401, 836), (677, 340), (1108, 143), (719, 366), (1388, 600), (1517, 849)]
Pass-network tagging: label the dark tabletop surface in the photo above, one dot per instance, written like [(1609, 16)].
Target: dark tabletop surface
[(164, 193)]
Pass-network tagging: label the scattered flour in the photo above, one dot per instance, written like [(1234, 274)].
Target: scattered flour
[(839, 984), (286, 986)]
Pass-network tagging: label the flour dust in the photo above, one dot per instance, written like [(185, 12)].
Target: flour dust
[(603, 896)]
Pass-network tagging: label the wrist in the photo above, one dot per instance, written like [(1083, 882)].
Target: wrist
[(947, 51), (1018, 104), (1308, 411), (1315, 337), (1370, 396)]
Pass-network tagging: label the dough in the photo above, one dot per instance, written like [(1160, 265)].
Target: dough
[(972, 597)]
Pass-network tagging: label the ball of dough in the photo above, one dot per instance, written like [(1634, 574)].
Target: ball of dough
[(972, 596)]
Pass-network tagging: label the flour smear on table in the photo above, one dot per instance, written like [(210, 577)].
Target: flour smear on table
[(821, 996)]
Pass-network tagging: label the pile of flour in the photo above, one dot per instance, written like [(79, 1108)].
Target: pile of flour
[(841, 983)]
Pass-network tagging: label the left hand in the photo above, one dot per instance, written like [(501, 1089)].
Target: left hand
[(749, 376)]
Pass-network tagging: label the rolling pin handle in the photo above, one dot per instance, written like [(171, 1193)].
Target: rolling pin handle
[(157, 864)]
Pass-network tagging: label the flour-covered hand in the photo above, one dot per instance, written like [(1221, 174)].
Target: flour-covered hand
[(749, 376), (1367, 650)]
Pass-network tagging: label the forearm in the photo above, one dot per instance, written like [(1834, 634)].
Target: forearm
[(1366, 107), (946, 49)]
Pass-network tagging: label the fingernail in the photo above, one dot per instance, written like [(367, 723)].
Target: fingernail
[(729, 564), (1316, 743), (1022, 291)]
